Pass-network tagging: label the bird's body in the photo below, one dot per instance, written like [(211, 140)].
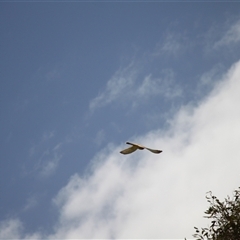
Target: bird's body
[(136, 146)]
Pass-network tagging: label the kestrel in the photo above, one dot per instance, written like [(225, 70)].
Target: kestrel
[(135, 146)]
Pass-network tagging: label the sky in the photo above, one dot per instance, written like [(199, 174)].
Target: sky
[(79, 79)]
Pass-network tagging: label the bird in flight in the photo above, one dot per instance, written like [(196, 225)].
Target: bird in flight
[(135, 146)]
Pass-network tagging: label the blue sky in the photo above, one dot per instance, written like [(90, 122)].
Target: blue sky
[(79, 79)]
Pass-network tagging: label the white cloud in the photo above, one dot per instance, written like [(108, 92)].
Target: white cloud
[(14, 229), (121, 81), (231, 36), (10, 229), (48, 135), (45, 159), (171, 45), (31, 203), (160, 196), (128, 86), (49, 161), (157, 196), (158, 86)]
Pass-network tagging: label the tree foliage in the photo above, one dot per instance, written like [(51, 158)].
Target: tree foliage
[(225, 219)]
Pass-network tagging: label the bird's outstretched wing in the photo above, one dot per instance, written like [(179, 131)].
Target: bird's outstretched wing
[(136, 146), (129, 150), (154, 150)]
